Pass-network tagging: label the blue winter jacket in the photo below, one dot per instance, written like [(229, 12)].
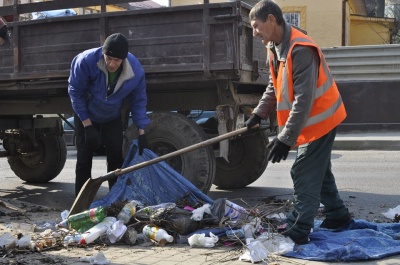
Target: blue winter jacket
[(88, 83)]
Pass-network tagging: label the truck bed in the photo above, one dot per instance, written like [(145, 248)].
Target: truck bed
[(184, 50)]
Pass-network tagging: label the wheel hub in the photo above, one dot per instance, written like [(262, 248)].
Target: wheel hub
[(162, 147)]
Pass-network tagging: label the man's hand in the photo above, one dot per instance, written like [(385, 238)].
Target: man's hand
[(143, 143), (278, 151), (253, 121), (92, 137)]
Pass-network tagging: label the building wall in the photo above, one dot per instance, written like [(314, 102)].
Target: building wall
[(322, 19), (369, 31)]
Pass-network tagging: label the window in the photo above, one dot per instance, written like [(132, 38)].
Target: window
[(292, 18)]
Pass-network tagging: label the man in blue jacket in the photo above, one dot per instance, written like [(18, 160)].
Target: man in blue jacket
[(101, 79)]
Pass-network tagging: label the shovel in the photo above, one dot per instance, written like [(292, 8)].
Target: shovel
[(91, 186)]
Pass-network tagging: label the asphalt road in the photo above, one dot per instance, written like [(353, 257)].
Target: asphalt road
[(367, 180)]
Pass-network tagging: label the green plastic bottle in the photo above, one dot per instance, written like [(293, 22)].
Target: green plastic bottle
[(84, 220)]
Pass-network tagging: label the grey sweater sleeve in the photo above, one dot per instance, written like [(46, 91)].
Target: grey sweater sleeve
[(267, 102), (305, 75)]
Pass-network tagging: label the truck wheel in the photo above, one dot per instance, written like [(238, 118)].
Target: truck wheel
[(169, 132), (45, 164), (247, 161)]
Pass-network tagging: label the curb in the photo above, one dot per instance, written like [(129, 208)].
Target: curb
[(389, 141), (388, 145)]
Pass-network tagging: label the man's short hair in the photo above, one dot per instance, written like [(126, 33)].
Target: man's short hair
[(265, 7)]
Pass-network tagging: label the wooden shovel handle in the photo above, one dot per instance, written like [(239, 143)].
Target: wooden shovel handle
[(118, 172)]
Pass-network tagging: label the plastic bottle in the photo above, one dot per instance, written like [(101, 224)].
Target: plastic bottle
[(72, 239), (98, 230), (235, 212), (84, 220), (235, 234), (157, 234), (145, 212), (127, 212)]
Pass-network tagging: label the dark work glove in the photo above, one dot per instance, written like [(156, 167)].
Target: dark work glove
[(278, 151), (252, 121), (142, 142), (92, 137)]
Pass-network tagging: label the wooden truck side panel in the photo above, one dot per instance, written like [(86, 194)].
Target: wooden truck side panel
[(185, 52)]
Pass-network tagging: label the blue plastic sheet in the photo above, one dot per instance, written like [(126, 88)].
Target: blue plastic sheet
[(155, 184), (361, 240)]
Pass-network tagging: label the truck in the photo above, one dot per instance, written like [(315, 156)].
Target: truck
[(198, 57)]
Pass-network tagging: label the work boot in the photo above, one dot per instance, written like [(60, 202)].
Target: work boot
[(282, 229), (337, 223)]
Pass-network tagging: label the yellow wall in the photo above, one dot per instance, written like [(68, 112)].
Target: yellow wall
[(322, 19), (369, 31)]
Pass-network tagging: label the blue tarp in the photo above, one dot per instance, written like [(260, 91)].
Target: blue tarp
[(361, 240), (155, 184)]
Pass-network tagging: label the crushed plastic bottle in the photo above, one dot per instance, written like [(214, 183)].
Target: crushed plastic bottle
[(157, 234)]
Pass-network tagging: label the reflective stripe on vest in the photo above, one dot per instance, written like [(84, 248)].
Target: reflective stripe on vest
[(328, 109)]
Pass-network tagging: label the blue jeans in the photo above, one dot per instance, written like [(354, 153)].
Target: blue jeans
[(314, 183)]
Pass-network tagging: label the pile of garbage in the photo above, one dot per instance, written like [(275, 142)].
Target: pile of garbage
[(130, 222)]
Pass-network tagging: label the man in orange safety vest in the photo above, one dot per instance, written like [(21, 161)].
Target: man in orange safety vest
[(309, 109)]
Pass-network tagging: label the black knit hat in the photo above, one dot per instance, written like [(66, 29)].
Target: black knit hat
[(116, 45)]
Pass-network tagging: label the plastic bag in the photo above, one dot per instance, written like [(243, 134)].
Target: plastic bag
[(392, 212), (197, 214), (200, 240), (258, 249), (175, 219), (24, 241), (99, 259), (116, 231), (8, 241)]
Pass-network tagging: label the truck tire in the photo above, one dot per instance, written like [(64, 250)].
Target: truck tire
[(168, 132), (45, 165), (247, 161)]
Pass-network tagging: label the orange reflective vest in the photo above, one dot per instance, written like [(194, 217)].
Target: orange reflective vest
[(328, 109)]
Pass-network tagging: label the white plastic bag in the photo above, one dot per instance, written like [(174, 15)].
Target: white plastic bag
[(258, 249), (7, 240), (24, 241), (200, 240), (99, 259), (197, 214), (392, 212), (116, 231)]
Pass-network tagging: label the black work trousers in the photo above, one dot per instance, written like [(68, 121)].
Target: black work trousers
[(111, 136)]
